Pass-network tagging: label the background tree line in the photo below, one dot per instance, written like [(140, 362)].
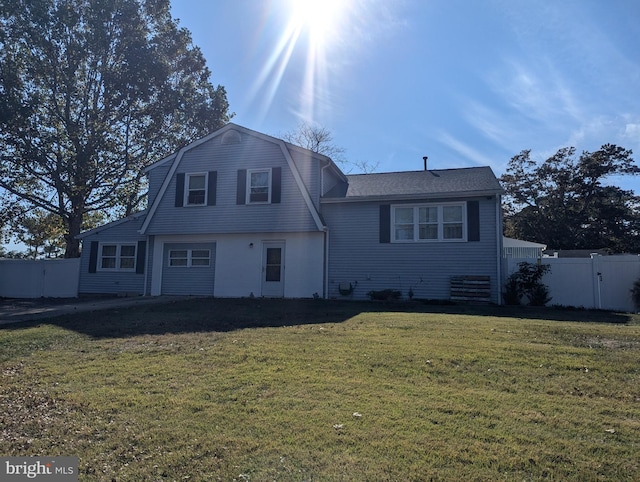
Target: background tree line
[(568, 202), (93, 91)]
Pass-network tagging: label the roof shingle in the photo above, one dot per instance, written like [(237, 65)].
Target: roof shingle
[(417, 183)]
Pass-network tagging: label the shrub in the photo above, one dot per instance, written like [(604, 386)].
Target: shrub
[(384, 295), (526, 284)]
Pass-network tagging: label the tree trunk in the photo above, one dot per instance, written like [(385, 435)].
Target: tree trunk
[(72, 249)]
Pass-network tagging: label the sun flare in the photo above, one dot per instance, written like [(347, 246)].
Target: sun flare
[(318, 18), (308, 47)]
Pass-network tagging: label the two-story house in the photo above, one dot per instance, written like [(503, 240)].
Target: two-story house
[(239, 213)]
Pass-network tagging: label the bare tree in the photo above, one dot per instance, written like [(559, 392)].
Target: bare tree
[(320, 139)]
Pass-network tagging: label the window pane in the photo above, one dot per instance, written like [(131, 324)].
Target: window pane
[(260, 179), (200, 257), (452, 231), (127, 263), (273, 273), (404, 215), (108, 263), (452, 214), (196, 197), (109, 250), (178, 257), (428, 215), (259, 195), (404, 232), (127, 250), (274, 256), (196, 182), (428, 231)]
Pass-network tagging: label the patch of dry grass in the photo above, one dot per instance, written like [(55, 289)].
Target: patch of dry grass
[(313, 390)]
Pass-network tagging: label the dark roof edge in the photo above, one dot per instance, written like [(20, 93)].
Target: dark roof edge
[(410, 197), (112, 224)]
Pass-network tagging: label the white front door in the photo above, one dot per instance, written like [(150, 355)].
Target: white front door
[(273, 269)]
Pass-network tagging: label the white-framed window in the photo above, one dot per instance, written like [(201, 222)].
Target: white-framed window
[(195, 189), (258, 186), (414, 223), (117, 257), (187, 258)]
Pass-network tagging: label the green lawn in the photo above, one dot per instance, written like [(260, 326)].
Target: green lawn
[(267, 390)]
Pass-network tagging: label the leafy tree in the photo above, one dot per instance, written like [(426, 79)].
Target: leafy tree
[(42, 232), (320, 139), (92, 91), (564, 202)]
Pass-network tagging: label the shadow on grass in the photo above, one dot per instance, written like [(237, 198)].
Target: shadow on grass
[(223, 315)]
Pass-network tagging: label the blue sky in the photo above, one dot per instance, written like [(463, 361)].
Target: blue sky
[(465, 82)]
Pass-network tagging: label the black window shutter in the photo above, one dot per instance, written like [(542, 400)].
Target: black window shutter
[(141, 256), (179, 190), (473, 221), (211, 188), (241, 197), (93, 256), (385, 223), (276, 184)]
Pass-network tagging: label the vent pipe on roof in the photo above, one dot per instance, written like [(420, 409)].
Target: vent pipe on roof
[(425, 162)]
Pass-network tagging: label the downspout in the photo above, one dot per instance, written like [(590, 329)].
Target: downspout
[(326, 263), (326, 236), (146, 267), (499, 245)]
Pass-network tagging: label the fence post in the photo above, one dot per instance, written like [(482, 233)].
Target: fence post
[(597, 279)]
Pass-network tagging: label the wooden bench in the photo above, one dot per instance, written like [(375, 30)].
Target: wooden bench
[(475, 289)]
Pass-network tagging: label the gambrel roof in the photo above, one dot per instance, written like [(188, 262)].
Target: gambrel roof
[(285, 148)]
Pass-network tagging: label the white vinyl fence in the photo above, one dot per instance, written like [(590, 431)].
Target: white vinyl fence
[(602, 282), (49, 278)]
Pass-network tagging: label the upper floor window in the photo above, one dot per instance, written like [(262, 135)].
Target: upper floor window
[(428, 222), (259, 186), (118, 257), (196, 189)]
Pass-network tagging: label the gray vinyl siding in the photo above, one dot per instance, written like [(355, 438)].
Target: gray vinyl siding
[(357, 256), (329, 181), (309, 169), (188, 280), (290, 215), (111, 282), (156, 178)]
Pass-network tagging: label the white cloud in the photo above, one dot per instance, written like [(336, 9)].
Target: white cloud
[(632, 132), (466, 151)]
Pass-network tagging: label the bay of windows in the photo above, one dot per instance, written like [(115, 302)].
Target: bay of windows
[(118, 257), (428, 222)]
